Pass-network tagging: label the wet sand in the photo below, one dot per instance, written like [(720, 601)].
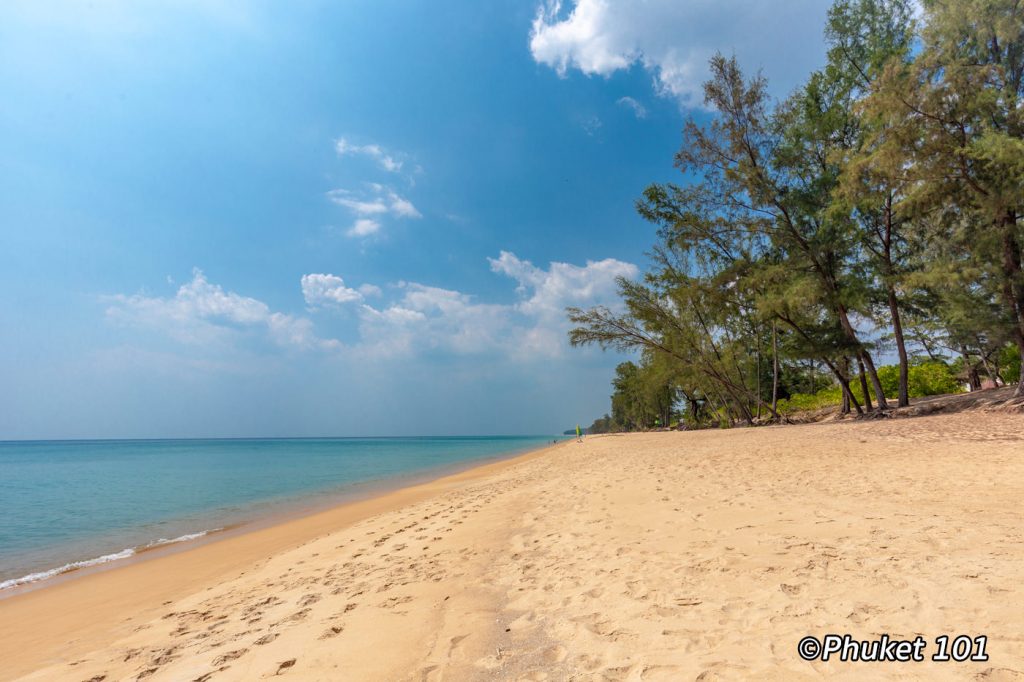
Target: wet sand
[(673, 556)]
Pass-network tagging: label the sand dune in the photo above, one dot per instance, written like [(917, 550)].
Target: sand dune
[(665, 556)]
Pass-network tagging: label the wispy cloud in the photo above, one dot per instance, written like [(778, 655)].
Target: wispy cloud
[(370, 290), (639, 110), (363, 227), (368, 206), (591, 125), (372, 151)]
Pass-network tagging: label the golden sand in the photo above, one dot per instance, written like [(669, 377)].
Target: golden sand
[(664, 556)]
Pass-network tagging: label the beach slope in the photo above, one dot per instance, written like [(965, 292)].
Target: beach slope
[(663, 556)]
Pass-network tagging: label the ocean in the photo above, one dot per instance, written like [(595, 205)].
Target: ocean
[(70, 504)]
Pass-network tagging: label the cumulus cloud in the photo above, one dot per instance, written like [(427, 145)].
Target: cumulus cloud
[(545, 294), (414, 319), (202, 312), (639, 110), (373, 151), (427, 318), (370, 205), (319, 289), (673, 40)]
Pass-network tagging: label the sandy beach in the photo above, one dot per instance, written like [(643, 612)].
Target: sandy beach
[(663, 556)]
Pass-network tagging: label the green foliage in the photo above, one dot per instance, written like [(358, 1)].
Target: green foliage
[(926, 378), (1009, 360), (808, 402), (888, 188), (644, 396), (603, 424)]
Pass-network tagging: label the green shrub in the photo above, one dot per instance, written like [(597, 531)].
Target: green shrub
[(926, 378), (805, 402), (889, 377), (932, 378), (1009, 363)]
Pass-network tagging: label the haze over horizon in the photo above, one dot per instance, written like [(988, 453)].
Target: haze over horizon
[(227, 219)]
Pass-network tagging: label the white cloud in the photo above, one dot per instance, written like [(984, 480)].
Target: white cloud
[(318, 289), (375, 202), (201, 312), (363, 227), (287, 330), (673, 40), (426, 318), (639, 110), (401, 207), (550, 291), (358, 206), (418, 319), (370, 290), (373, 151), (547, 293), (196, 312)]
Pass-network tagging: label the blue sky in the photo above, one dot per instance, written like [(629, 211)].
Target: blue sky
[(346, 218)]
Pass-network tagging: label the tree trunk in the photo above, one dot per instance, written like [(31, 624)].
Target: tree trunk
[(894, 309), (844, 382), (775, 368), (901, 347), (992, 375), (879, 393), (973, 380), (845, 405), (927, 348), (760, 399), (1013, 288), (865, 357), (864, 385)]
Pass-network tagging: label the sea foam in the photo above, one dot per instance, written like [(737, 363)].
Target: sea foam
[(106, 558)]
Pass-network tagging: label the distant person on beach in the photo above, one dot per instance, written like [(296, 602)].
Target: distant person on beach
[(579, 434)]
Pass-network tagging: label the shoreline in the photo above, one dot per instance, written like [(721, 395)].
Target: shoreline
[(59, 614), (258, 516), (653, 556)]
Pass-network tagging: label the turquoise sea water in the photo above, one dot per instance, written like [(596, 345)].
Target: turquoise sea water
[(65, 504)]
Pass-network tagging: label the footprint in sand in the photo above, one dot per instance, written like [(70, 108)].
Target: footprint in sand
[(284, 665), (229, 656), (309, 599), (332, 631)]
